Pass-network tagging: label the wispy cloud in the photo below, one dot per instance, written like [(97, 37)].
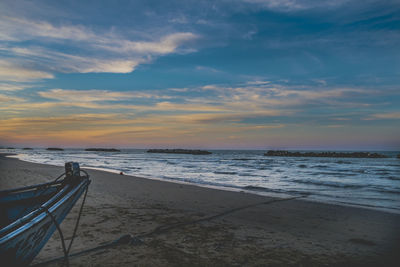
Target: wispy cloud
[(262, 94), (20, 29), (167, 44), (208, 69), (95, 95), (252, 99), (387, 116), (258, 82), (85, 95), (90, 128), (10, 71), (36, 42), (12, 86), (5, 98), (296, 5), (334, 126), (253, 109)]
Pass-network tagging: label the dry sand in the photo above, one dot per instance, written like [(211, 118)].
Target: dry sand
[(181, 225)]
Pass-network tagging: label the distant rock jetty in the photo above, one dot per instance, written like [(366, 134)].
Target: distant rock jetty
[(283, 153), (180, 151), (55, 149), (27, 148), (103, 149)]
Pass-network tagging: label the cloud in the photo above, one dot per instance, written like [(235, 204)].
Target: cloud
[(334, 126), (88, 128), (253, 108), (10, 71), (12, 87), (246, 112), (262, 97), (95, 95), (111, 66), (168, 106), (261, 94), (67, 63), (256, 99), (165, 45), (84, 95), (296, 5), (208, 69), (179, 20), (231, 117), (258, 82), (36, 43), (20, 29), (387, 116), (8, 99), (278, 4)]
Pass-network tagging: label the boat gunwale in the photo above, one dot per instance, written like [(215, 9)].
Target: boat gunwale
[(40, 214), (14, 225), (25, 195), (24, 188)]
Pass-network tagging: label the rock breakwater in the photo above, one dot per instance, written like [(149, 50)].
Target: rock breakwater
[(180, 151), (55, 149), (103, 149), (284, 153)]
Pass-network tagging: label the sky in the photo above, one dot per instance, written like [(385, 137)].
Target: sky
[(229, 74)]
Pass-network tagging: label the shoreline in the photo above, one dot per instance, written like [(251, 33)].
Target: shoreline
[(190, 225), (230, 188)]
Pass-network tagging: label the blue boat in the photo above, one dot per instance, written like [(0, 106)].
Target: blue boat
[(30, 215)]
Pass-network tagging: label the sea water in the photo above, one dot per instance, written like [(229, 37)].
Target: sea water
[(370, 183)]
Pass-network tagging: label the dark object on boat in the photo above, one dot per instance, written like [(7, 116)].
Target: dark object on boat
[(284, 153), (30, 215), (179, 151), (27, 148), (103, 149), (55, 149)]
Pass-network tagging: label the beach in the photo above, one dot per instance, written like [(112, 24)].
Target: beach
[(180, 224)]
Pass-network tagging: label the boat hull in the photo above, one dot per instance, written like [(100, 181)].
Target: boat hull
[(19, 246)]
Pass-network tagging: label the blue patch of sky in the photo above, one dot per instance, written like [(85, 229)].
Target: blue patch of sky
[(296, 46), (354, 44)]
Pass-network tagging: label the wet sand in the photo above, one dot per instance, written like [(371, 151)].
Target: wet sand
[(180, 225)]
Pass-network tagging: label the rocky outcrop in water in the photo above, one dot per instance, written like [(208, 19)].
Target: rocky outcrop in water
[(103, 149), (27, 148), (55, 149), (180, 151), (284, 153)]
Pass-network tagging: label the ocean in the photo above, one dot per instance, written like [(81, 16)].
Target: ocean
[(369, 183)]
